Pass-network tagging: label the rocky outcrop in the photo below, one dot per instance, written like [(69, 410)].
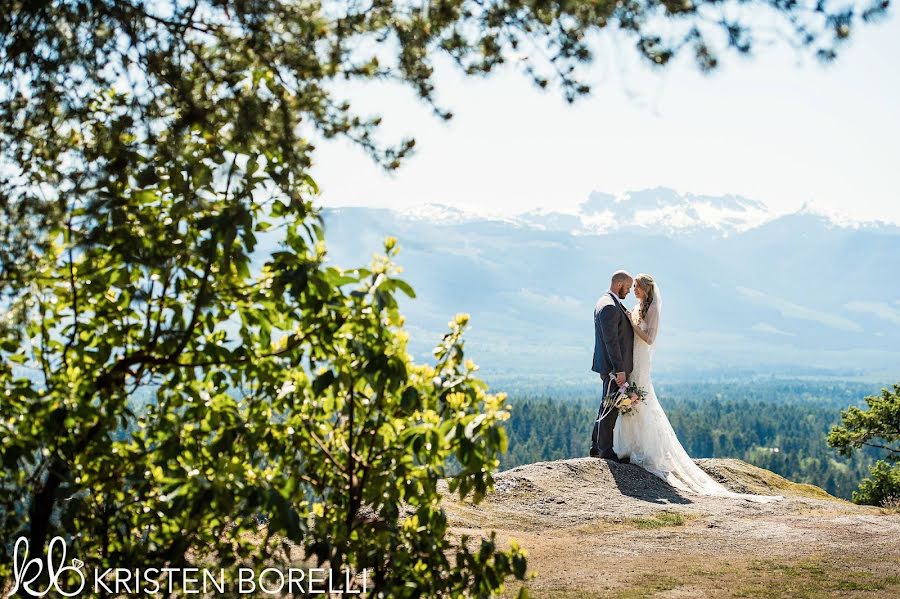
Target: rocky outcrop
[(595, 528)]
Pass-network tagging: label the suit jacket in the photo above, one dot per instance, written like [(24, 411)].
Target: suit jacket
[(613, 337)]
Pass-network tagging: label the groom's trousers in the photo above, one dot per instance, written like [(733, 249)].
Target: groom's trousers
[(602, 435)]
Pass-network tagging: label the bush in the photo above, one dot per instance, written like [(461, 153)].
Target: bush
[(882, 487)]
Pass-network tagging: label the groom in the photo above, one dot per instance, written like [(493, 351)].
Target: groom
[(613, 351)]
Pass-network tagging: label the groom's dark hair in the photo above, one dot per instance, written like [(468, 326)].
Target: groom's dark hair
[(620, 276)]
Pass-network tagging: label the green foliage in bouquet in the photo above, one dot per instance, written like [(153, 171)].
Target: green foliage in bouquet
[(877, 426)]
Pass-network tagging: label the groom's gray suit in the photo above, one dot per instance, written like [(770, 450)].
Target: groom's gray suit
[(613, 352)]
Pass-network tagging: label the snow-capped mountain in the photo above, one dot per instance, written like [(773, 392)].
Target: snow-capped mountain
[(669, 212), (660, 211), (744, 288), (450, 215)]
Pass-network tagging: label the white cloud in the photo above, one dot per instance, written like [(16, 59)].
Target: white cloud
[(792, 310), (879, 309), (765, 327), (560, 302)]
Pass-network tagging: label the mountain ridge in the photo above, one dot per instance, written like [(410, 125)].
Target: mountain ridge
[(662, 209), (799, 293)]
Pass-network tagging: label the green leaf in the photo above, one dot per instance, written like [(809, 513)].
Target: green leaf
[(405, 288)]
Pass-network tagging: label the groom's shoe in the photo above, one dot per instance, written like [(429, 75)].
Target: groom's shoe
[(625, 460), (595, 453)]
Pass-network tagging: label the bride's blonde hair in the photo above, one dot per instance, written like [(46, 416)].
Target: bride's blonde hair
[(648, 286)]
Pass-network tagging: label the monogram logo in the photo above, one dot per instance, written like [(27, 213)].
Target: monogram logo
[(26, 571)]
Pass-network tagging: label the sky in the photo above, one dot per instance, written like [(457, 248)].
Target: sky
[(778, 127)]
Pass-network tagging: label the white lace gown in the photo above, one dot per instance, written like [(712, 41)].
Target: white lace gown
[(647, 438)]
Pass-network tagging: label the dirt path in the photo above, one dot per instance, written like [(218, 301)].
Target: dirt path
[(594, 528)]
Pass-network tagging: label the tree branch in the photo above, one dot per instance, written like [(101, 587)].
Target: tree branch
[(885, 447)]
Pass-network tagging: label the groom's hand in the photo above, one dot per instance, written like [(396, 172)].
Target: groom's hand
[(620, 378)]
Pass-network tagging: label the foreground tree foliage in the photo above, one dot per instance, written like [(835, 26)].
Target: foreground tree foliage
[(877, 426), (166, 380), (282, 389)]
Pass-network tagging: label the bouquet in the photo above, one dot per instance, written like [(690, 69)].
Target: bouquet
[(626, 398), (629, 398)]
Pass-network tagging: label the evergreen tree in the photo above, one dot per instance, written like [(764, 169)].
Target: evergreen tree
[(878, 427)]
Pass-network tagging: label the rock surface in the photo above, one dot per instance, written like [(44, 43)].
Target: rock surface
[(595, 528)]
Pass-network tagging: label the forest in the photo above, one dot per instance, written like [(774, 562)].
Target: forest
[(779, 425)]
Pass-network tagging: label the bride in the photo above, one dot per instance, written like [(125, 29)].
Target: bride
[(645, 435)]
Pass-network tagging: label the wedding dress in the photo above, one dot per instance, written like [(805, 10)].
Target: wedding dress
[(646, 436)]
